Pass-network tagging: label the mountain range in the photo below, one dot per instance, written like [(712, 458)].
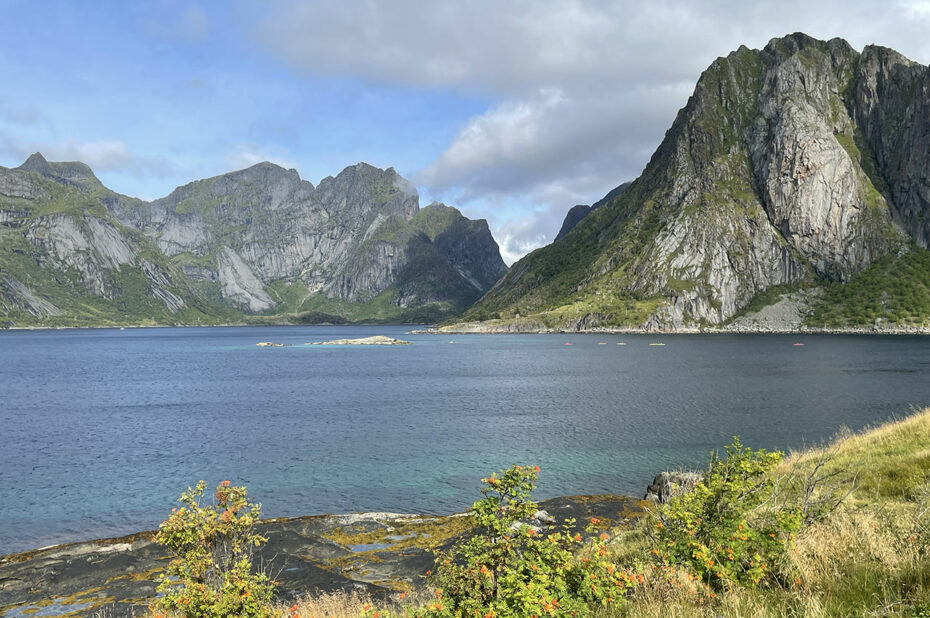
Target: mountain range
[(794, 183), (799, 171), (259, 244)]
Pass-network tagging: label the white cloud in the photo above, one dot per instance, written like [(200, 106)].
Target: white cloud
[(581, 91), (241, 156), (102, 156)]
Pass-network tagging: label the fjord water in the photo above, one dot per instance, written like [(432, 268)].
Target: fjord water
[(102, 429)]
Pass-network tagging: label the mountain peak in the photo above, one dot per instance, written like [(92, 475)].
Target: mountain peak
[(36, 163)]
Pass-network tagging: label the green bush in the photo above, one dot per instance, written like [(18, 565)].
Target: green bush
[(730, 527), (211, 573), (509, 568)]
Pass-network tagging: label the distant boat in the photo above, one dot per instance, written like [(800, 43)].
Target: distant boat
[(567, 343), (797, 344), (656, 344), (601, 343), (621, 343)]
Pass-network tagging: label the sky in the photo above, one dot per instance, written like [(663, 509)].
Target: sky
[(511, 111)]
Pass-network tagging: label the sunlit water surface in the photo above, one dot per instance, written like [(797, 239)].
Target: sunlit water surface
[(102, 429)]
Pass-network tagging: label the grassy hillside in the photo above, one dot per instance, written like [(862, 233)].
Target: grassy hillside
[(895, 289)]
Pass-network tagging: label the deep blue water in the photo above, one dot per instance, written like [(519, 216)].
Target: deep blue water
[(100, 430)]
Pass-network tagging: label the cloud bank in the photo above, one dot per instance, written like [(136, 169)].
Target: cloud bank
[(581, 92)]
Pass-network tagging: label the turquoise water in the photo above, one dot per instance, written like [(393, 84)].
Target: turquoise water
[(102, 429)]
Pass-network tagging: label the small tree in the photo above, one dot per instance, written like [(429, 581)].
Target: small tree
[(730, 528), (211, 574), (509, 568)]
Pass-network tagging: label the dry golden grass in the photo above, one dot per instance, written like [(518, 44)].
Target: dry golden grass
[(339, 604)]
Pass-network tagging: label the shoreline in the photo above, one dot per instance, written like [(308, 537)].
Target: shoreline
[(502, 330), (476, 329), (380, 553)]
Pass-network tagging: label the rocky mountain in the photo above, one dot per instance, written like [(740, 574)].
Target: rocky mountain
[(800, 165), (65, 259), (254, 241)]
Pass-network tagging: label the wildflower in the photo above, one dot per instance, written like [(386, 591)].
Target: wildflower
[(536, 468), (224, 484), (604, 536)]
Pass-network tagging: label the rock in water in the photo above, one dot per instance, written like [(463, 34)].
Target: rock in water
[(375, 340)]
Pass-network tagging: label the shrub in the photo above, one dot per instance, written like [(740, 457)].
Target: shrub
[(211, 573), (509, 568), (730, 528)]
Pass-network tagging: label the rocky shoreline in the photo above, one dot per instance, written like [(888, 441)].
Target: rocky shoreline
[(481, 328), (380, 553)]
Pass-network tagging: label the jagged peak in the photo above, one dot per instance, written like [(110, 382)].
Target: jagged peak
[(265, 166), (793, 43), (35, 163), (439, 208), (887, 55), (74, 173)]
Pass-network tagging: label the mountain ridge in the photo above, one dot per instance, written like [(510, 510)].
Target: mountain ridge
[(249, 242)]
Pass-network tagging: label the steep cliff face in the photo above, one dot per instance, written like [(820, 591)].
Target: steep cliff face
[(62, 255), (259, 240), (802, 162), (892, 110), (275, 242)]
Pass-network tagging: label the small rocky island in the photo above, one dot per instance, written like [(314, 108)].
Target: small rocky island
[(375, 340)]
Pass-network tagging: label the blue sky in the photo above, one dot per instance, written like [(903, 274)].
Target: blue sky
[(512, 111)]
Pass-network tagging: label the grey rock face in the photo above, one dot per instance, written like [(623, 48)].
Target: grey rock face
[(14, 296), (892, 110), (240, 285), (57, 243), (346, 239)]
